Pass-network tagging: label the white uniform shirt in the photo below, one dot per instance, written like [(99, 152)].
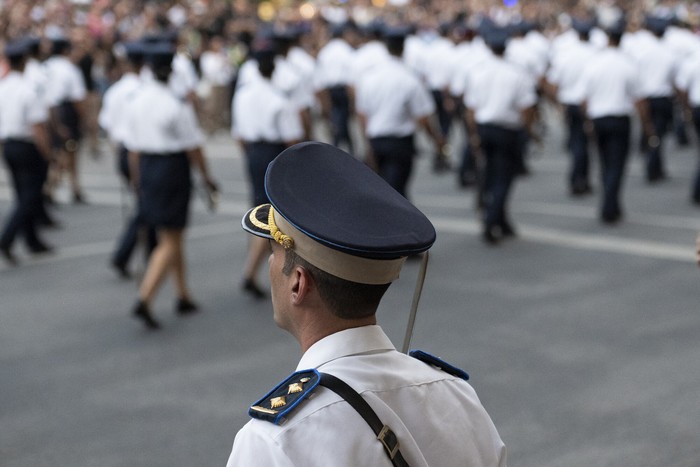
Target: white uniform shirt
[(392, 98), (367, 57), (290, 80), (333, 64), (261, 112), (437, 417), (159, 122), (35, 72), (498, 91), (657, 65), (112, 116), (64, 82), (567, 71), (520, 52), (688, 79), (183, 79), (21, 107), (216, 69), (611, 82), (469, 56)]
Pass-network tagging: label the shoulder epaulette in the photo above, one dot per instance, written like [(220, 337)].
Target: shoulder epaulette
[(439, 363), (285, 397)]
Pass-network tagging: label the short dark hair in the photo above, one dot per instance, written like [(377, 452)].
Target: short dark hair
[(345, 299)]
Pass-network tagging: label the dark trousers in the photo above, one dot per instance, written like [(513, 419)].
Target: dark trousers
[(444, 117), (258, 156), (695, 190), (661, 113), (136, 224), (613, 138), (577, 143), (394, 157), (340, 115), (501, 150), (28, 170)]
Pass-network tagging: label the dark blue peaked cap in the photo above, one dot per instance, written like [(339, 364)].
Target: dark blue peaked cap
[(17, 48), (582, 26), (339, 215)]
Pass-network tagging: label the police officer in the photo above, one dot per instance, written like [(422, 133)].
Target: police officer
[(500, 99), (331, 82), (264, 122), (26, 149), (113, 119), (392, 103), (612, 92), (332, 259), (688, 83), (164, 140), (566, 86), (66, 94), (657, 68)]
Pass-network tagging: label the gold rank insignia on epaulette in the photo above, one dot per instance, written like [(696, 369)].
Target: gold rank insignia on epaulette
[(285, 397)]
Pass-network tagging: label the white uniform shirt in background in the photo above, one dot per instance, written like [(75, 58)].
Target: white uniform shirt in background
[(688, 79), (498, 91), (64, 82), (567, 70), (260, 112), (159, 122), (611, 81), (393, 98), (113, 116), (333, 64), (438, 418), (21, 107)]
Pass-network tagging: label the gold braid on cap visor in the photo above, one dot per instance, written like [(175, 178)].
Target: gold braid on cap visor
[(285, 240)]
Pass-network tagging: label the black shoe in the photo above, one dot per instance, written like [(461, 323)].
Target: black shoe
[(121, 269), (9, 257), (78, 198), (142, 312), (507, 230), (48, 223), (251, 287), (611, 219), (489, 237), (40, 249), (185, 307)]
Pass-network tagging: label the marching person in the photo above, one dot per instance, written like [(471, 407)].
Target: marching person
[(657, 68), (65, 94), (500, 99), (566, 87), (612, 92), (332, 81), (26, 149), (264, 122), (688, 83), (332, 259), (113, 119), (391, 103), (164, 141)]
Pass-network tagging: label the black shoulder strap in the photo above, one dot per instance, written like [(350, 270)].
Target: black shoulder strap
[(383, 432)]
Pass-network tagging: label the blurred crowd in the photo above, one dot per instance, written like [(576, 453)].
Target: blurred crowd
[(215, 39)]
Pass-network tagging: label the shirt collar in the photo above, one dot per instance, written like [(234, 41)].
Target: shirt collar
[(352, 341)]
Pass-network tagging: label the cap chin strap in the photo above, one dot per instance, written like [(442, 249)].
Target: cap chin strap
[(420, 280)]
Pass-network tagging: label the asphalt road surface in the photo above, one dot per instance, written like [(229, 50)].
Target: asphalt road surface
[(583, 341)]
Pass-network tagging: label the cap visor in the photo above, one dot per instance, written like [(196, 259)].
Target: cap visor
[(255, 221)]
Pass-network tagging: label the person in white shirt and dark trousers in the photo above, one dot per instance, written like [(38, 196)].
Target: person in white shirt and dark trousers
[(500, 100), (164, 140), (26, 149), (611, 96), (264, 121)]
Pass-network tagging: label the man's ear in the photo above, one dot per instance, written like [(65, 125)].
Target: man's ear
[(301, 284)]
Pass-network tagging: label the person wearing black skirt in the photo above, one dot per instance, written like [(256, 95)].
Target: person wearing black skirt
[(164, 140)]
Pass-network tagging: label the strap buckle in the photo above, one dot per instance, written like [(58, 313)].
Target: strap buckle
[(389, 441)]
